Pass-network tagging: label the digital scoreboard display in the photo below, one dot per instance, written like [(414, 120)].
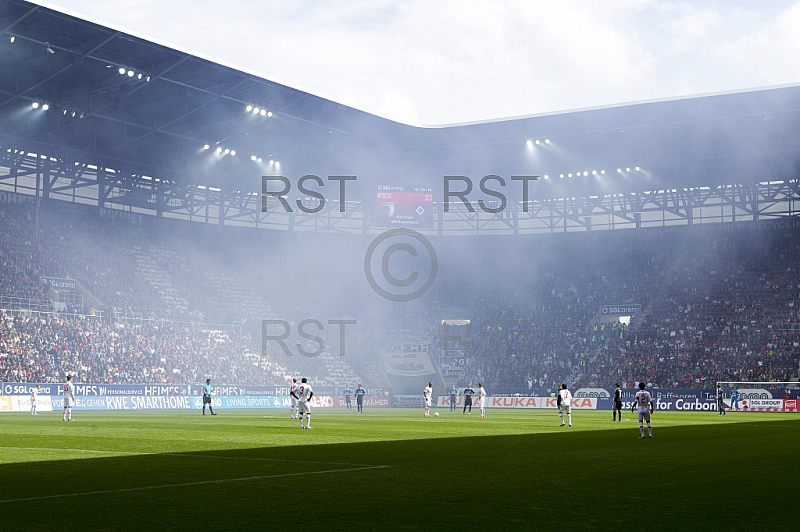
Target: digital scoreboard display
[(400, 206)]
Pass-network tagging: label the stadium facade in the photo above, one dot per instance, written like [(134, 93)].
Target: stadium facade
[(136, 128)]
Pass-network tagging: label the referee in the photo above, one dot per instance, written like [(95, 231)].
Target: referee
[(207, 397)]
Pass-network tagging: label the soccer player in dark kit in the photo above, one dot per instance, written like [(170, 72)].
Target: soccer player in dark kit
[(616, 407), (468, 393)]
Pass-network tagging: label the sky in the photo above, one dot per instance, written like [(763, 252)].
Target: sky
[(438, 62)]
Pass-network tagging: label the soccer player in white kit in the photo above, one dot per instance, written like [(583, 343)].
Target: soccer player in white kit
[(427, 395), (304, 394), (34, 395), (644, 401), (69, 398), (293, 398), (565, 404), (482, 399)]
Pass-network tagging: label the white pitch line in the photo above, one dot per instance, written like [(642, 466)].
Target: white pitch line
[(187, 455), (184, 484)]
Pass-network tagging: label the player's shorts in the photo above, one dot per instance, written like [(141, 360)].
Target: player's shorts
[(482, 402), (69, 402), (644, 415), (293, 401), (303, 407), (567, 409), (33, 403), (617, 405), (206, 399), (427, 401)]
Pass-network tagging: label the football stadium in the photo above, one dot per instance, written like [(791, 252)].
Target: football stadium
[(530, 323)]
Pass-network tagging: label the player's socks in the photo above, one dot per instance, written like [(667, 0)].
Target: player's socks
[(562, 418), (569, 417), (641, 430), (650, 430)]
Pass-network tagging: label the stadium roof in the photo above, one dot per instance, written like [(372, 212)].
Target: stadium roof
[(120, 101)]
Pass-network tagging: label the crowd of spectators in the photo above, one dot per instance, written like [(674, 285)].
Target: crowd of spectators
[(727, 313), (717, 304), (148, 334), (46, 347)]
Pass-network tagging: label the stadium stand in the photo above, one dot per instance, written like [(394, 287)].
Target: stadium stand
[(715, 306)]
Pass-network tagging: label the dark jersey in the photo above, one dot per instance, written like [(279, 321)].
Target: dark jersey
[(348, 392), (361, 392), (468, 393), (453, 392), (617, 395)]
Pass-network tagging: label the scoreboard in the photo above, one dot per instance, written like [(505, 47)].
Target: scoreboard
[(400, 206)]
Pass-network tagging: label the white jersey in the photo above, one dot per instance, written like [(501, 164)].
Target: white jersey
[(566, 398), (69, 394), (427, 393), (643, 400), (304, 392), (34, 394), (293, 391), (482, 396)]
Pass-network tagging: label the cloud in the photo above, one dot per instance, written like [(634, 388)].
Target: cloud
[(450, 61)]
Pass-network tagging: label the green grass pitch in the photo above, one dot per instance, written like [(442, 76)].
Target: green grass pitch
[(396, 470)]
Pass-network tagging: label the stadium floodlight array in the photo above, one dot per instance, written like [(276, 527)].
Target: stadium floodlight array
[(760, 396), (131, 73), (220, 151), (258, 110)]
